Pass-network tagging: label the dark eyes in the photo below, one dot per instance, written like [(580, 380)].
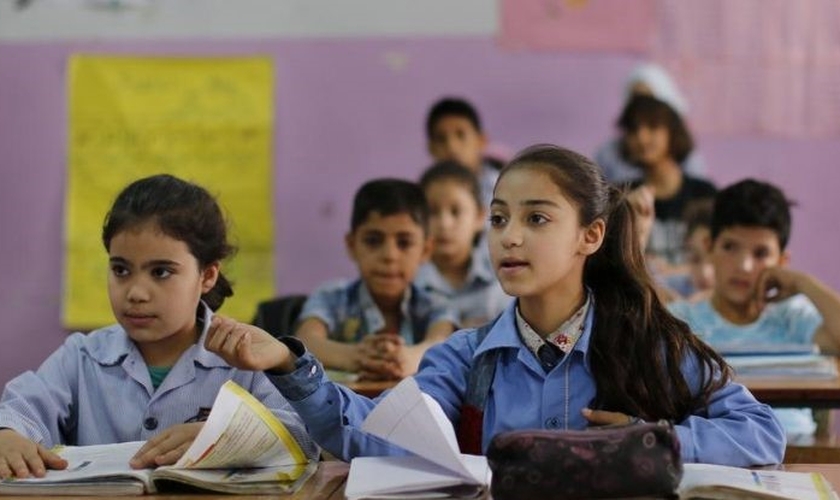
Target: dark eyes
[(537, 219), (161, 272), (375, 241), (405, 243), (119, 270)]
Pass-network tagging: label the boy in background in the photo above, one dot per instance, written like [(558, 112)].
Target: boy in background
[(696, 283), (454, 133), (756, 299), (380, 324)]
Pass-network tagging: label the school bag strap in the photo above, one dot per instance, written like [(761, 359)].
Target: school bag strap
[(479, 380)]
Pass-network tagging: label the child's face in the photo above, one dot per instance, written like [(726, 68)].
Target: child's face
[(537, 245), (455, 219), (739, 255), (388, 250), (697, 256), (648, 144), (154, 286), (455, 138)]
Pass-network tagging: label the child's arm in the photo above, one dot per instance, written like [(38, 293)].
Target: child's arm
[(247, 347), (167, 447), (21, 457), (781, 283)]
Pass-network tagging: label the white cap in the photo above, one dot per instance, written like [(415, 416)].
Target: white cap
[(661, 85)]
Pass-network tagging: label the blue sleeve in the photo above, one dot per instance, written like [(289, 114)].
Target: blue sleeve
[(733, 429), (39, 405), (323, 304), (334, 414), (442, 312)]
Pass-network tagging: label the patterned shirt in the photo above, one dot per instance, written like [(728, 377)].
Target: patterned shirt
[(479, 300), (791, 321), (349, 312), (565, 337)]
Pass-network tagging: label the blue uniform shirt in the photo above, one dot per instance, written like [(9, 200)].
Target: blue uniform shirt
[(96, 389), (349, 312), (734, 429), (478, 301)]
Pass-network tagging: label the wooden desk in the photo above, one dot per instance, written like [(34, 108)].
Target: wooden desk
[(370, 388), (326, 484), (791, 392)]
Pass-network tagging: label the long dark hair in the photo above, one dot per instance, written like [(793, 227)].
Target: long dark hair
[(182, 210), (637, 347)]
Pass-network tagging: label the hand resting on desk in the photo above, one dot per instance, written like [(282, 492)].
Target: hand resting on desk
[(22, 457)]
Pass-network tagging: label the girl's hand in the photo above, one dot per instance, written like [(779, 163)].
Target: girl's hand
[(601, 417), (246, 346), (21, 457), (167, 447)]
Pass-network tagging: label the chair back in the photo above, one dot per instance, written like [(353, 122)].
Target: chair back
[(278, 316)]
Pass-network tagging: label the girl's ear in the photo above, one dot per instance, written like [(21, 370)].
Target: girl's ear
[(209, 276), (593, 237)]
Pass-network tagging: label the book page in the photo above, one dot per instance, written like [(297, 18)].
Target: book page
[(400, 477), (415, 421), (241, 432), (93, 462), (721, 482), (254, 481)]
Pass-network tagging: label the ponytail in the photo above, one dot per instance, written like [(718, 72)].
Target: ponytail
[(636, 349), (637, 346)]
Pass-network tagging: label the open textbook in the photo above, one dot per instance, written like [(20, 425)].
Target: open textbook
[(718, 482), (242, 448), (416, 422)]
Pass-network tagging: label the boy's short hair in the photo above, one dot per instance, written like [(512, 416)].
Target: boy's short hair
[(390, 197), (752, 203), (644, 109), (451, 106)]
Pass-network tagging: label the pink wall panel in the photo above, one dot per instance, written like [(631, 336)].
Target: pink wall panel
[(347, 110)]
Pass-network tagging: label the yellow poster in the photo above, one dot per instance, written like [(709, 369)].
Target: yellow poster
[(207, 120)]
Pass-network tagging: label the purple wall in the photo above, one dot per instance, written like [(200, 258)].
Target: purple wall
[(347, 110)]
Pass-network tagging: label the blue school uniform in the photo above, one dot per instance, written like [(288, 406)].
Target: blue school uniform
[(734, 429), (791, 321), (96, 389), (349, 312), (477, 301)]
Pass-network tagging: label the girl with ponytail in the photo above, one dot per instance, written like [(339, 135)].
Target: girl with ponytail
[(586, 342)]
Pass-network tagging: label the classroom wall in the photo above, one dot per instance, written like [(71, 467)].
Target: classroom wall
[(348, 107)]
